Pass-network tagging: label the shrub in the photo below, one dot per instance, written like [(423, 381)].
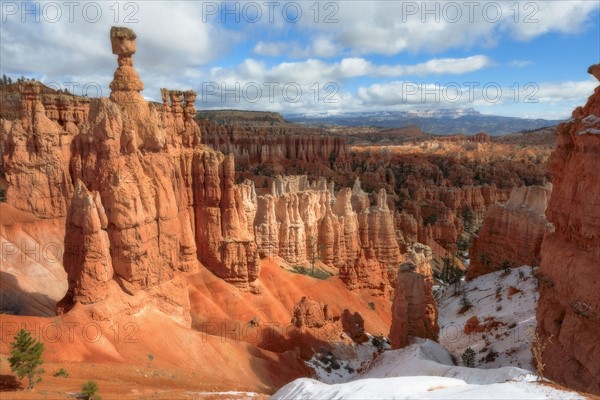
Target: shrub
[(451, 274), (468, 358), (505, 266), (372, 305), (538, 345), (89, 390), (491, 356), (61, 373), (26, 357), (465, 303), (462, 244), (379, 342), (431, 219), (313, 273), (9, 305)]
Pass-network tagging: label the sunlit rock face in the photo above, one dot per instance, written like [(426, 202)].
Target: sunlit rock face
[(568, 311)]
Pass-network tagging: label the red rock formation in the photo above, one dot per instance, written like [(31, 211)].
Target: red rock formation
[(254, 147), (36, 159), (488, 324), (150, 207), (437, 212), (225, 245), (354, 326), (298, 223), (568, 312), (310, 314), (414, 310), (512, 232), (316, 321), (87, 248)]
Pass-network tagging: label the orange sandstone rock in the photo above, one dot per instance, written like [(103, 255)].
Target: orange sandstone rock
[(413, 309), (512, 232), (569, 306)]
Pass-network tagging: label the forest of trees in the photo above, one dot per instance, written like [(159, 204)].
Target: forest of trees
[(7, 80)]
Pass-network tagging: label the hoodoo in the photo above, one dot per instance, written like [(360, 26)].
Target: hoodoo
[(568, 312)]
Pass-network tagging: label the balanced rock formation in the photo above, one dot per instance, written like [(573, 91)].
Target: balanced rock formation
[(140, 199), (568, 312), (414, 310), (512, 232)]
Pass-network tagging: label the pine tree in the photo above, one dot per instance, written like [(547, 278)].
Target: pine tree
[(468, 358), (26, 357), (89, 390)]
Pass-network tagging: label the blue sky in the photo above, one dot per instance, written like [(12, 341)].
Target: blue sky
[(530, 57)]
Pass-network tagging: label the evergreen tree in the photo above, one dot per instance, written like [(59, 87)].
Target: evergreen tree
[(26, 357), (468, 358), (89, 390)]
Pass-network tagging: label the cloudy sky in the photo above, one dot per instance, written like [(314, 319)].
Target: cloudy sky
[(515, 58)]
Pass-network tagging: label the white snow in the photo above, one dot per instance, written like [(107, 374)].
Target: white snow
[(591, 123), (430, 359), (489, 295), (426, 370), (350, 359), (231, 395)]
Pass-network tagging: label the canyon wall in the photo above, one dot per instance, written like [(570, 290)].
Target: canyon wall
[(254, 147), (512, 232), (305, 223), (438, 215), (568, 312)]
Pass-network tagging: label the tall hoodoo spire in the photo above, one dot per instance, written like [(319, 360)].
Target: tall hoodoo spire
[(123, 44)]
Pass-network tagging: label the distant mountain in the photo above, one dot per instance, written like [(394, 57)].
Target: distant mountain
[(436, 121)]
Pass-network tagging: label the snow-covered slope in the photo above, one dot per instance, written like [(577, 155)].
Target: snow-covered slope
[(502, 309), (508, 301), (345, 361), (424, 370)]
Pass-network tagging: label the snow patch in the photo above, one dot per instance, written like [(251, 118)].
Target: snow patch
[(490, 296), (414, 373), (344, 362)]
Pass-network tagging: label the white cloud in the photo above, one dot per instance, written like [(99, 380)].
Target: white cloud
[(557, 92), (172, 40), (393, 27), (321, 46), (271, 49), (549, 98), (315, 70), (520, 63)]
